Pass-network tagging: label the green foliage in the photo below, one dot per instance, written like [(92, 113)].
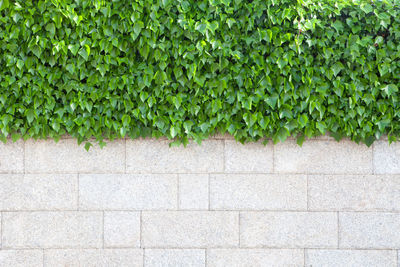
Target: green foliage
[(187, 69)]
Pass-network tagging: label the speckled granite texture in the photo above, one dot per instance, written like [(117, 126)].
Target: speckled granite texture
[(141, 203)]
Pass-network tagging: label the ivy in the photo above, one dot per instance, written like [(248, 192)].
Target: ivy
[(187, 69)]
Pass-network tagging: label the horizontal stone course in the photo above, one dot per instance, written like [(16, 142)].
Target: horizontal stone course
[(351, 258), (53, 229), (38, 192), (251, 157), (323, 157), (66, 156), (371, 230), (258, 192), (288, 229), (21, 258), (93, 257), (128, 191), (191, 229), (174, 257), (255, 257), (354, 192), (155, 156)]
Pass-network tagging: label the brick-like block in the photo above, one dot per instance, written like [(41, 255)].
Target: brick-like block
[(193, 191), (155, 156), (350, 258), (386, 157), (258, 192), (68, 229), (93, 257), (369, 230), (255, 257), (21, 258), (12, 157), (67, 156), (323, 157), (125, 191), (121, 229), (251, 157), (288, 229), (354, 192), (38, 191), (174, 257), (193, 229)]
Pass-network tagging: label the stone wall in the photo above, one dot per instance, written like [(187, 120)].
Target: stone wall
[(141, 203)]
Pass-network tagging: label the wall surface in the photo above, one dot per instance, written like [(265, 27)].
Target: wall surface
[(141, 203)]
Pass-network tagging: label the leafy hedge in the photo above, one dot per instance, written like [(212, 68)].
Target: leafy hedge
[(191, 68)]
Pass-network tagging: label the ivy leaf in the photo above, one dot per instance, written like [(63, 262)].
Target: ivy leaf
[(367, 8), (30, 115), (187, 125), (4, 4), (201, 27), (390, 89), (213, 26), (36, 50), (230, 22), (88, 145), (338, 25), (174, 131), (84, 52), (321, 126), (271, 101), (126, 120), (226, 2), (337, 67), (137, 28), (74, 48), (20, 64), (281, 135), (300, 139), (15, 136), (70, 68), (51, 28)]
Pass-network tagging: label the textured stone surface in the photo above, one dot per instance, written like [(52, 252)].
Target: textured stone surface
[(142, 203), (288, 229), (67, 157), (38, 191), (193, 191), (251, 157), (121, 229), (121, 191), (157, 157), (323, 157), (21, 258), (255, 257), (174, 258), (354, 192), (194, 229), (386, 157), (257, 192), (52, 229), (93, 257), (12, 157), (351, 258), (369, 230)]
